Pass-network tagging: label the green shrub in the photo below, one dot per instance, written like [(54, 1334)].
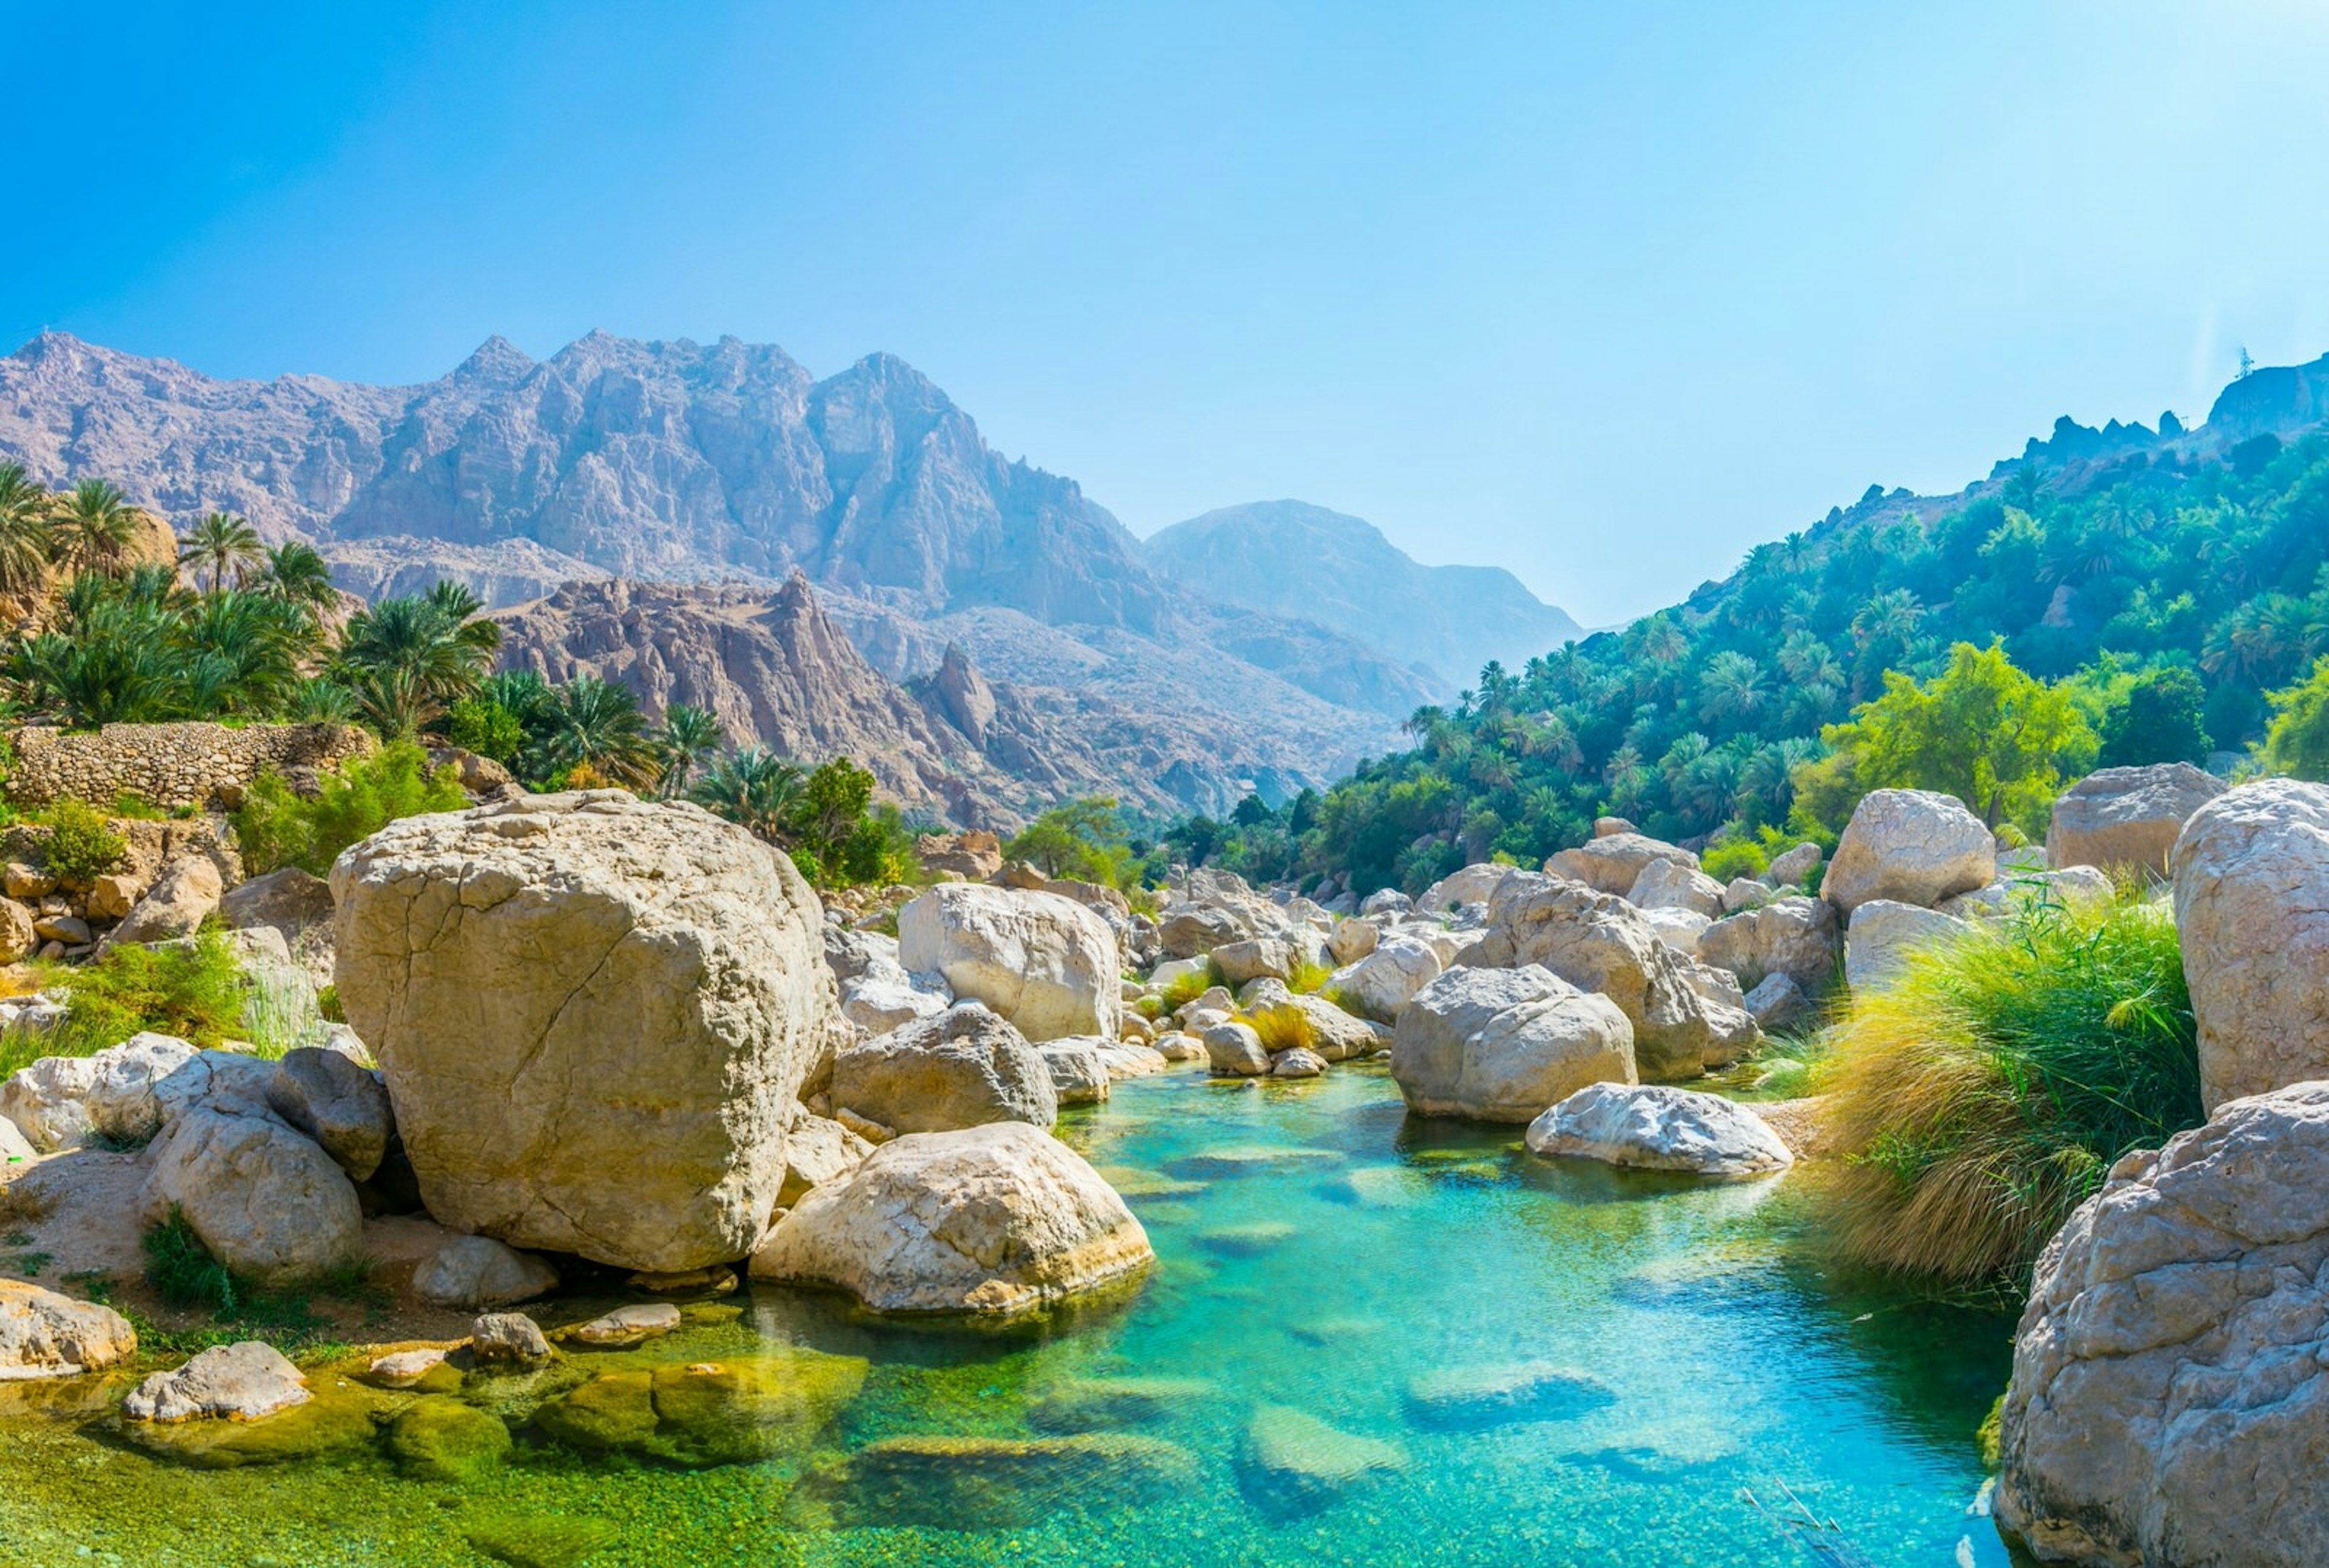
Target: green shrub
[(483, 726), (1186, 989), (277, 827), (184, 1274), (1306, 978), (1983, 1094), (1150, 1007), (193, 990), (1282, 1028), (1740, 857), (327, 1005), (136, 807), (80, 847)]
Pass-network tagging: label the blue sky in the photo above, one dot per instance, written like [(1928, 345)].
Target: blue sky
[(1601, 293)]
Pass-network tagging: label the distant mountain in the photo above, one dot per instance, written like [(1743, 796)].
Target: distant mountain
[(1305, 562), (684, 463)]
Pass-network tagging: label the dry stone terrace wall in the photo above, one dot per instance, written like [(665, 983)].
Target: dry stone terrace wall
[(170, 765)]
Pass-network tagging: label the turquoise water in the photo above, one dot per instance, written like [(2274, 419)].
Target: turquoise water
[(1318, 1251)]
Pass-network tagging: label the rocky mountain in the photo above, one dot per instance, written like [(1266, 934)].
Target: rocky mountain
[(684, 463), (1292, 559)]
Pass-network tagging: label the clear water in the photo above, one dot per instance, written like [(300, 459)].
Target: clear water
[(1324, 1281)]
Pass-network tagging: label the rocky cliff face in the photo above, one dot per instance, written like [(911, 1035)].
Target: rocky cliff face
[(1291, 559)]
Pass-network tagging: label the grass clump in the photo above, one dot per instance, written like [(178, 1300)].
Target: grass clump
[(1282, 1028), (1184, 990), (1982, 1095), (80, 847), (193, 990), (1305, 978), (186, 1275), (277, 827), (1725, 862)]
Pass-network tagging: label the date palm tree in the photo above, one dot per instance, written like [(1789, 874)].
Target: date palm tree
[(24, 537), (294, 573), (430, 643), (221, 543), (689, 736), (753, 787), (93, 528), (596, 723)]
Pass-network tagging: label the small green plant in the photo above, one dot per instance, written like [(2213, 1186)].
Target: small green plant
[(277, 827), (184, 1274), (193, 990), (80, 846), (327, 1003), (1184, 989), (1306, 978), (1151, 1007), (135, 807), (1725, 862), (1282, 1028)]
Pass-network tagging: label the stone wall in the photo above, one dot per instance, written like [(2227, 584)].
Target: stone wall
[(171, 765)]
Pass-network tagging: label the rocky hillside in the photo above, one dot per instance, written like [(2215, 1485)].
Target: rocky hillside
[(682, 463), (1293, 560)]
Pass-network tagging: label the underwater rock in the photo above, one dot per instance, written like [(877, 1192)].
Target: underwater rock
[(1002, 1218), (981, 1483), (1116, 1401), (442, 1439), (1294, 1463), (1466, 1398), (723, 1412), (45, 1335), (627, 1325)]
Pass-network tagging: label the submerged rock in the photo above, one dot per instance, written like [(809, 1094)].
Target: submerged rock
[(732, 1412), (1464, 1398), (1657, 1127), (45, 1335), (439, 1439), (987, 1483), (996, 1219), (1294, 1463), (1117, 1402)]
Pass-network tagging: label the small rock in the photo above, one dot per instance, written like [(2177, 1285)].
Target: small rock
[(503, 1338), (44, 1335), (240, 1382), (1776, 1002), (1298, 1063), (70, 930), (409, 1368), (627, 1325), (1295, 1463), (470, 1273), (1235, 1051), (1657, 1127)]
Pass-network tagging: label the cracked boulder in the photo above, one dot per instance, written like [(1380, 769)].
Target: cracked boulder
[(593, 1015)]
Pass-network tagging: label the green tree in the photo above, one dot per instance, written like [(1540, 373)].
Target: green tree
[(222, 544), (296, 574), (596, 724), (2160, 722), (478, 724), (2298, 743), (93, 526), (753, 787), (689, 735), (1083, 840), (25, 534), (1982, 731)]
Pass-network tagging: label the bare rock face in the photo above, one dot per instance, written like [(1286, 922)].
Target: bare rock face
[(2126, 818), (1045, 962), (999, 1219), (593, 1015), (962, 1067), (1614, 862), (1502, 1044), (1911, 846), (1794, 935), (2169, 1401), (1599, 942), (44, 1335), (187, 894), (1657, 1127), (2251, 872), (1883, 933), (1670, 884)]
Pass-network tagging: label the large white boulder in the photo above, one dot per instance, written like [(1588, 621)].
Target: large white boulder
[(267, 1202), (1599, 942), (2170, 1400), (62, 1102), (44, 1335), (1379, 984), (2251, 872), (880, 1001), (593, 1015), (960, 1067), (2126, 818), (1352, 940), (242, 1381), (1884, 933), (1255, 958), (1671, 885), (1793, 936), (1501, 1044), (1910, 846), (1045, 962), (997, 1219), (1657, 1127), (1473, 884), (1614, 862)]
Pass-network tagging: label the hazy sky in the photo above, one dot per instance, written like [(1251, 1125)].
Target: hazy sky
[(1602, 293)]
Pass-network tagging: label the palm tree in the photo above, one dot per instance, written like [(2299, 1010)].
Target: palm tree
[(1730, 687), (220, 541), (24, 541), (753, 787), (94, 526), (597, 725), (296, 574), (689, 736), (424, 640)]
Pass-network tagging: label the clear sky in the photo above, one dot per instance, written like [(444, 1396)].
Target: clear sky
[(1601, 293)]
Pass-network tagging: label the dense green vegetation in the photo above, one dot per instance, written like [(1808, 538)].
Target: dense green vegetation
[(2142, 614), (824, 817), (1980, 1097), (195, 990), (277, 827)]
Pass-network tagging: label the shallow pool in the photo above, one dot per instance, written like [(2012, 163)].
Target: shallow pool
[(1321, 1256)]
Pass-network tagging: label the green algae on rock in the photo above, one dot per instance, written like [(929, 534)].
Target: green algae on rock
[(338, 1416), (737, 1410), (443, 1440), (1085, 1403), (993, 1483)]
